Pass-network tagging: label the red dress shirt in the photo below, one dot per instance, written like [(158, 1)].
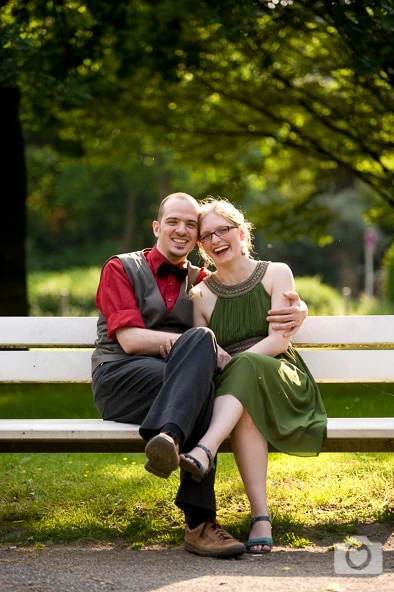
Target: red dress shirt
[(115, 295)]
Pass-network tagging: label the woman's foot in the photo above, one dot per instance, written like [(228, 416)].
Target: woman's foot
[(198, 462), (260, 537)]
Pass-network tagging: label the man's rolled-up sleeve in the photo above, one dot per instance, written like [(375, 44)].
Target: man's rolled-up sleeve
[(116, 299)]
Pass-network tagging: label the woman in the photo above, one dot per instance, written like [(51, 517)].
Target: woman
[(265, 393)]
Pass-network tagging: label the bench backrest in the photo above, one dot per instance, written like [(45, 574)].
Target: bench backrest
[(58, 349)]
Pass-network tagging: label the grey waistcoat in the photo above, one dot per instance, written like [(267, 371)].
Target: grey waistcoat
[(151, 305)]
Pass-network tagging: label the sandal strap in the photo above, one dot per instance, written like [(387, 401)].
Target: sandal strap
[(255, 519), (207, 452), (264, 541)]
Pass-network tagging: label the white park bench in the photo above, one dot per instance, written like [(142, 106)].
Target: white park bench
[(341, 349)]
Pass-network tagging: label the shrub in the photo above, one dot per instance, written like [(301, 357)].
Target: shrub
[(320, 298), (388, 275), (72, 293), (69, 293)]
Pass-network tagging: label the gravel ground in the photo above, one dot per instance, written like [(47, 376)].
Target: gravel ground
[(93, 568)]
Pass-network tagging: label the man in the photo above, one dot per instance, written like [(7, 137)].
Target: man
[(151, 367)]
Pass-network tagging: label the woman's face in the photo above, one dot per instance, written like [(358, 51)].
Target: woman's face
[(219, 238)]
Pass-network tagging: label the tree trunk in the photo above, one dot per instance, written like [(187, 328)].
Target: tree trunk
[(13, 293)]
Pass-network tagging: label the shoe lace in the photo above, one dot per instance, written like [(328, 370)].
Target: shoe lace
[(218, 530)]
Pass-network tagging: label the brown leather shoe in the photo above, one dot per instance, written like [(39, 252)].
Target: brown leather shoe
[(211, 540), (163, 455)]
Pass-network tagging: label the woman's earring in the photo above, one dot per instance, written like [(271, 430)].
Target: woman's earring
[(243, 252)]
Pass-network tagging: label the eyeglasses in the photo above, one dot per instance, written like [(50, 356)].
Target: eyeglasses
[(221, 231)]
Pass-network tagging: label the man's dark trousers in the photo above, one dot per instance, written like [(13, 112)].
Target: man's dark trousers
[(154, 392)]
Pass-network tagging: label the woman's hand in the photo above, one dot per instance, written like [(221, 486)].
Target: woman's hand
[(223, 358), (289, 319)]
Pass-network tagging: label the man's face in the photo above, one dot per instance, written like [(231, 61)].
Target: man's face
[(177, 231)]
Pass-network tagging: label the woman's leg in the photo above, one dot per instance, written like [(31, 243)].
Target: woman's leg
[(250, 450), (227, 411)]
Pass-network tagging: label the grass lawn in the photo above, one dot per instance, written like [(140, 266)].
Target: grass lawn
[(48, 498)]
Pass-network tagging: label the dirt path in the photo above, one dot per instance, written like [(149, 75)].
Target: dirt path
[(93, 568)]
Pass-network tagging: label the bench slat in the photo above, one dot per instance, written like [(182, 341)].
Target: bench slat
[(360, 330), (87, 429), (45, 366), (67, 429), (74, 366), (81, 331), (91, 435), (48, 331), (350, 365)]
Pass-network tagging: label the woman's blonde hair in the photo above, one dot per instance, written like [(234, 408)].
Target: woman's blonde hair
[(223, 207)]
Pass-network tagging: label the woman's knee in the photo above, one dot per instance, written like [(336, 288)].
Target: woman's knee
[(246, 421)]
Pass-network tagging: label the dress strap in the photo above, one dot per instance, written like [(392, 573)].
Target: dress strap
[(225, 291)]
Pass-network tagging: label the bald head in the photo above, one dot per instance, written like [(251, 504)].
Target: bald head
[(177, 196)]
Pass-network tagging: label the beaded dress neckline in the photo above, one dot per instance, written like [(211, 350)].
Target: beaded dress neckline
[(225, 291)]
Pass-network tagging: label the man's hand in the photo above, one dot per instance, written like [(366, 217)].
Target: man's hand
[(167, 347), (290, 318)]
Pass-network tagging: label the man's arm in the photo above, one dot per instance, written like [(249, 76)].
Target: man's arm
[(137, 341), (290, 318)]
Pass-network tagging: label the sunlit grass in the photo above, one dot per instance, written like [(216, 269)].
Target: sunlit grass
[(105, 497), (91, 496), (27, 401), (312, 498)]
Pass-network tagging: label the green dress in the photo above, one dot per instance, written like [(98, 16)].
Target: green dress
[(279, 393)]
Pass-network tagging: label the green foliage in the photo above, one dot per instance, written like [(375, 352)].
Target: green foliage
[(72, 292), (76, 288), (388, 278), (58, 52), (276, 89), (280, 105), (371, 306), (250, 102), (81, 213), (336, 251), (253, 95), (68, 293), (321, 299)]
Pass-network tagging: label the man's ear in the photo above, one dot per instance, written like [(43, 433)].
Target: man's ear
[(155, 227)]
